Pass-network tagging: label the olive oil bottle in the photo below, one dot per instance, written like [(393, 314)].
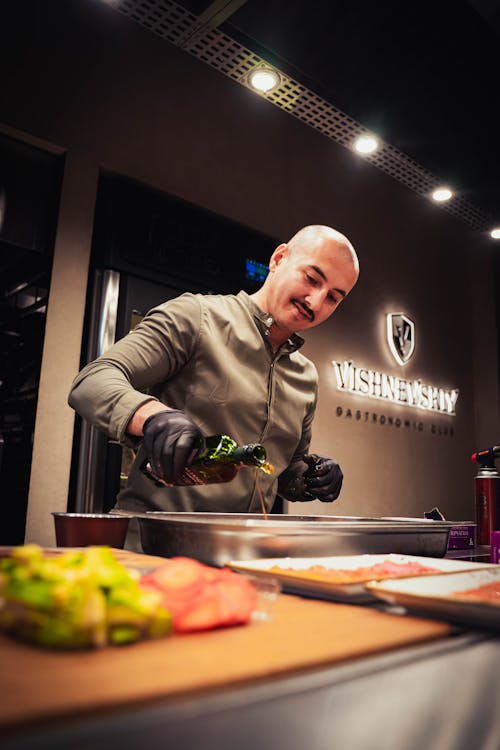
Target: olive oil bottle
[(219, 459)]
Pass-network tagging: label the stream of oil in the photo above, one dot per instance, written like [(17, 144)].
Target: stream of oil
[(267, 469)]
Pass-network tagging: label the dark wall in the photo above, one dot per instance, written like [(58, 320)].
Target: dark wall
[(29, 195)]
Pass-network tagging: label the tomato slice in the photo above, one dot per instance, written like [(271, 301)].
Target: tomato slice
[(179, 573), (204, 614), (236, 597), (200, 597)]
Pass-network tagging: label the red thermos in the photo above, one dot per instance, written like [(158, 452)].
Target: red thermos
[(487, 492)]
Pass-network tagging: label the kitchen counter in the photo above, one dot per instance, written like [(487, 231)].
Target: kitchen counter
[(313, 672)]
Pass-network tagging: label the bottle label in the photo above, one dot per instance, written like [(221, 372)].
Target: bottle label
[(207, 475), (190, 477)]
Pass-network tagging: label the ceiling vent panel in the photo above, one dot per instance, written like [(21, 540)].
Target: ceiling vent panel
[(210, 45)]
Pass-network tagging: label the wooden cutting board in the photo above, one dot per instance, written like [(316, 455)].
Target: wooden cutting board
[(302, 634)]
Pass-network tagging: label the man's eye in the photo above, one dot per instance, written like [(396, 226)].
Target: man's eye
[(311, 279)]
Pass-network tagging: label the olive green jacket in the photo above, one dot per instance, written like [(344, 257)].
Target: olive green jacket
[(209, 356)]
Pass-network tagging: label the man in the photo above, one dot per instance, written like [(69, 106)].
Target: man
[(225, 364)]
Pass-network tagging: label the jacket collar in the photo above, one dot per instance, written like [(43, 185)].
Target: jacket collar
[(264, 322)]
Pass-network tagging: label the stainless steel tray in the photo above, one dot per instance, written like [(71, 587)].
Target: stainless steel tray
[(215, 538)]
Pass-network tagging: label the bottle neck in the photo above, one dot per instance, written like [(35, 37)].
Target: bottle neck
[(250, 455)]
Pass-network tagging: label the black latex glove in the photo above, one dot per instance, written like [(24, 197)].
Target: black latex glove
[(323, 478), (170, 439)]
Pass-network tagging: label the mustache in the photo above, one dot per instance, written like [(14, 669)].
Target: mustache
[(306, 309)]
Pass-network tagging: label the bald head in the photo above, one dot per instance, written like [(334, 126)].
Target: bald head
[(319, 234)]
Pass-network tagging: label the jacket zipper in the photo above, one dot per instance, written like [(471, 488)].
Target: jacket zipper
[(270, 390)]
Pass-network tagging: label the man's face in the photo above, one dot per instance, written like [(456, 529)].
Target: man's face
[(308, 284)]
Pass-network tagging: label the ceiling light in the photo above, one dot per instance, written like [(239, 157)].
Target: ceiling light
[(442, 194), (495, 233), (264, 79), (366, 144)]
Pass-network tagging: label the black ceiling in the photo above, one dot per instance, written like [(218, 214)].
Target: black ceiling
[(424, 76)]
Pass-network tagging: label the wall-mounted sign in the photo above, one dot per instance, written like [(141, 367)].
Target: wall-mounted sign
[(362, 381), (400, 336)]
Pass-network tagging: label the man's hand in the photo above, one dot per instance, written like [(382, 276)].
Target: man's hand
[(170, 439), (323, 478)]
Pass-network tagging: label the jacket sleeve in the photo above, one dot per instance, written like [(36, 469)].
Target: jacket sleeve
[(110, 389)]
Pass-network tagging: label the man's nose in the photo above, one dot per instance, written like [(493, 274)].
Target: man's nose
[(317, 299)]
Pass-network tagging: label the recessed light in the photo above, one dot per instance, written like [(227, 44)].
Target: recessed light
[(366, 144), (442, 194), (495, 233), (264, 79)]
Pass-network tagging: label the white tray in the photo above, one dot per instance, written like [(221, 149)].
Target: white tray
[(431, 595), (347, 592)]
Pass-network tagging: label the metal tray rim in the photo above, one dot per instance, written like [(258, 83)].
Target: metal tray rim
[(274, 524)]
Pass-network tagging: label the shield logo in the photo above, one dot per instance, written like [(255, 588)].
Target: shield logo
[(400, 336)]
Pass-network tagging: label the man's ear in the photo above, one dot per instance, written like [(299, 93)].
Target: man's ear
[(279, 254)]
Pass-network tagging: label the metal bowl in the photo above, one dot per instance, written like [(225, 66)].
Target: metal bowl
[(84, 529)]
